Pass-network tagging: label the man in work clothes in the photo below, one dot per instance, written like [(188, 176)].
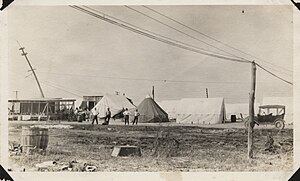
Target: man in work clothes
[(107, 116), (136, 117), (95, 115), (126, 116)]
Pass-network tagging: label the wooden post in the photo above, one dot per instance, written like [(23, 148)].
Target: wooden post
[(39, 111), (31, 107), (47, 105), (251, 111), (16, 94), (153, 92)]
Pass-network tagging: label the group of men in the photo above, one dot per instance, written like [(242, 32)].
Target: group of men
[(126, 114)]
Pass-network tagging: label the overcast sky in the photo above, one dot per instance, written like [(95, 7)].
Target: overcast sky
[(75, 54)]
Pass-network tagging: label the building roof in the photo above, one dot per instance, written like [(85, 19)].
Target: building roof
[(93, 96), (272, 106), (41, 100)]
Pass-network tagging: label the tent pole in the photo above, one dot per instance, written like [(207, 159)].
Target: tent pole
[(153, 92)]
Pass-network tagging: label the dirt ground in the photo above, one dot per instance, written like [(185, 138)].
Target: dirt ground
[(164, 147)]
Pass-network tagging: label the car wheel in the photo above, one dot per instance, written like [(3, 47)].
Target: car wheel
[(279, 124)]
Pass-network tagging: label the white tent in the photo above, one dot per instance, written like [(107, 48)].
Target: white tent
[(78, 102), (116, 103), (285, 101), (238, 109), (170, 107), (200, 111)]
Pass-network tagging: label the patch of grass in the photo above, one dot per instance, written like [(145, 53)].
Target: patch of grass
[(198, 149)]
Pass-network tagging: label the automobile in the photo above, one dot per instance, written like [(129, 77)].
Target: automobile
[(269, 114)]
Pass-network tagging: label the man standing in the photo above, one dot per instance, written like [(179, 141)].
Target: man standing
[(84, 114), (136, 117), (95, 115), (126, 116), (107, 116)]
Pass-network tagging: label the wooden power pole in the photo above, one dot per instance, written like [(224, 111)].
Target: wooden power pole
[(37, 81), (251, 111), (16, 94), (206, 90)]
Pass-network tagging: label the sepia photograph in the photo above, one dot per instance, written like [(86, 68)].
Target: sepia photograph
[(150, 88)]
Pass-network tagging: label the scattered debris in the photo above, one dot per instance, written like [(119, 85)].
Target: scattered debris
[(15, 148), (53, 126), (90, 168), (46, 166), (64, 167), (73, 165)]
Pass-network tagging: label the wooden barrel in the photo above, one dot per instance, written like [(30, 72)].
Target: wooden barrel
[(30, 138), (44, 139)]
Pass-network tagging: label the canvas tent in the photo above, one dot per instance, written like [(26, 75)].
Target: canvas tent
[(238, 109), (151, 112), (116, 103), (83, 105), (286, 101), (170, 107), (200, 111)]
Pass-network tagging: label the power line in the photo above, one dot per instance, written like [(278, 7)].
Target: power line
[(61, 89), (65, 87), (274, 74), (155, 37), (146, 79), (48, 84), (288, 74), (168, 38), (181, 32), (203, 41), (197, 31)]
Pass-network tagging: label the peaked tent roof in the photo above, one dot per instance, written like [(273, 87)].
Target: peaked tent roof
[(116, 103), (200, 111), (83, 104), (151, 112)]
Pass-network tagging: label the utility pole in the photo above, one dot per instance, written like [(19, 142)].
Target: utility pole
[(206, 90), (16, 94), (251, 111), (153, 92), (37, 81)]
